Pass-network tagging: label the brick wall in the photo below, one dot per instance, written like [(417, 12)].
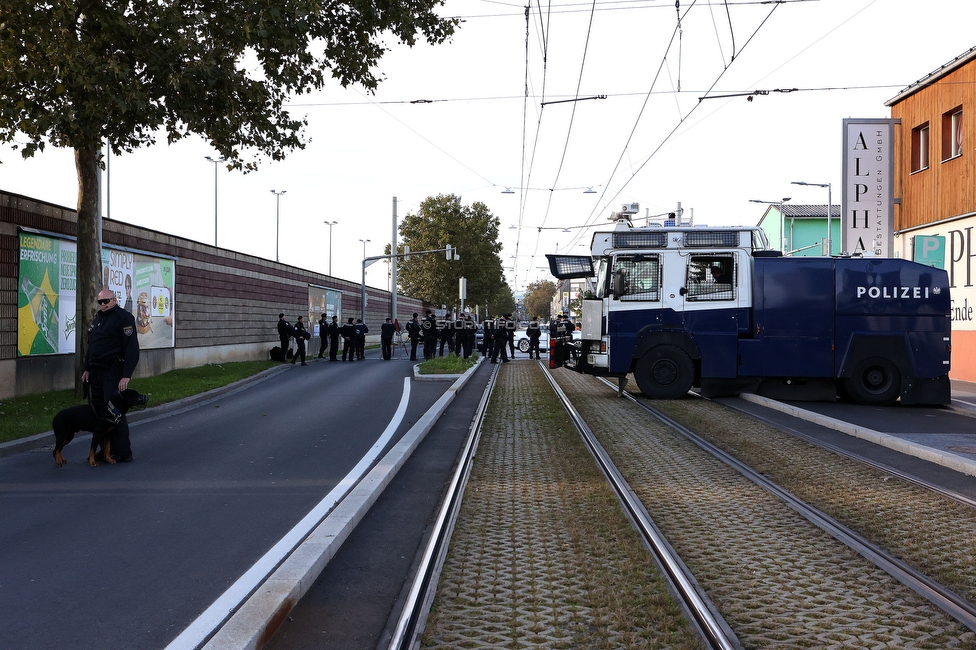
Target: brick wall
[(227, 302)]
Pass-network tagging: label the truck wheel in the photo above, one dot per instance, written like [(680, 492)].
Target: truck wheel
[(875, 381), (523, 345), (664, 372)]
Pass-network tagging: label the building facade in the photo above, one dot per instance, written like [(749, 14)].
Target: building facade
[(935, 175)]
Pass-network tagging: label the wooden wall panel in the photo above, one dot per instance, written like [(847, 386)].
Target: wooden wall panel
[(945, 189)]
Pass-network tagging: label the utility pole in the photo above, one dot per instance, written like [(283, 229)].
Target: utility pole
[(393, 265)]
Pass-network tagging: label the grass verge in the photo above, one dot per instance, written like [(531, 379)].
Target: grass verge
[(452, 364), (30, 414)]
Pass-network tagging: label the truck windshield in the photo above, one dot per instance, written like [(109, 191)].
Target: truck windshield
[(601, 277)]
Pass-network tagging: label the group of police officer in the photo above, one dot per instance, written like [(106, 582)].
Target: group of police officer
[(455, 334)]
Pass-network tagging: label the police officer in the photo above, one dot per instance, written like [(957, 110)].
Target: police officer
[(349, 334), (361, 331), (414, 331), (562, 332), (499, 340), (446, 335), (429, 326), (334, 339), (534, 333), (386, 339), (301, 335), (323, 334), (488, 333), (110, 360), (510, 335), (284, 333), (470, 335), (459, 334)]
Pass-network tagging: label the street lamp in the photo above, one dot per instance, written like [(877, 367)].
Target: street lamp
[(365, 241), (330, 224), (830, 206), (277, 194), (215, 161), (782, 220)]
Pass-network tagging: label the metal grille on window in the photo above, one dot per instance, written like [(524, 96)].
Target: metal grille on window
[(711, 277), (641, 278), (711, 239), (570, 266), (640, 239)]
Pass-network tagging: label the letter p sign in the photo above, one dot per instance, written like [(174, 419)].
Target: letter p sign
[(929, 250)]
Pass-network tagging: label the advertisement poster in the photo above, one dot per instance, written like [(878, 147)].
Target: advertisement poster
[(323, 301), (143, 284)]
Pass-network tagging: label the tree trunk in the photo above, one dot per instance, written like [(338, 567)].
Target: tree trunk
[(89, 276)]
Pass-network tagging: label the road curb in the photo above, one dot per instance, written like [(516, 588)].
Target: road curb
[(252, 625), (957, 463), (419, 377), (46, 439)]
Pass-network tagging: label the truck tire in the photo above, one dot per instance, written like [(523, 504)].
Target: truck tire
[(875, 381), (664, 372)]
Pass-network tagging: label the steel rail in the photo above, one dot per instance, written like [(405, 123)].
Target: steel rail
[(950, 602), (413, 617), (712, 628), (962, 499)]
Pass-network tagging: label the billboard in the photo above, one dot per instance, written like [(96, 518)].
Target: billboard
[(322, 301), (144, 285), (867, 212)]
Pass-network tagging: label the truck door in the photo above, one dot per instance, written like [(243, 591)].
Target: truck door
[(715, 308), (635, 302)]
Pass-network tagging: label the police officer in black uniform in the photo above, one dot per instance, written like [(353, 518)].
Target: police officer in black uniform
[(301, 335), (349, 336), (487, 336), (334, 339), (429, 327), (534, 333), (414, 331), (110, 360), (499, 340), (284, 334), (386, 339), (323, 334), (446, 335)]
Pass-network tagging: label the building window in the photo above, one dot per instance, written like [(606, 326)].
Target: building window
[(952, 133), (920, 147)]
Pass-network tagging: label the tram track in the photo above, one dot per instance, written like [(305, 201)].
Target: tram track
[(956, 606), (790, 589)]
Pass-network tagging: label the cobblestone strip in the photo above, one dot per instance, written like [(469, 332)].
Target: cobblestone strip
[(542, 556), (930, 532), (780, 581)]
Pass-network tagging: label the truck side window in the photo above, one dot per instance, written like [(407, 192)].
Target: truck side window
[(711, 277), (637, 278)]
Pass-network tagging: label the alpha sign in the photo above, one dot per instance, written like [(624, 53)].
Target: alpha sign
[(867, 215)]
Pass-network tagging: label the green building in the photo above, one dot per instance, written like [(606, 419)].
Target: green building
[(801, 229)]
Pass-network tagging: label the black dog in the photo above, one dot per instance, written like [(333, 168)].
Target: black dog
[(101, 422)]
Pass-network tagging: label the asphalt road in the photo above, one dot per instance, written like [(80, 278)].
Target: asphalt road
[(128, 555)]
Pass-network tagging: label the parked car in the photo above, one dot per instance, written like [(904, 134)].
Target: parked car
[(522, 340)]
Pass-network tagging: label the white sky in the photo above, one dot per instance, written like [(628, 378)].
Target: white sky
[(655, 149)]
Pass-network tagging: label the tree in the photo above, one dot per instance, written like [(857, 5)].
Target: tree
[(473, 231), (79, 74), (538, 298)]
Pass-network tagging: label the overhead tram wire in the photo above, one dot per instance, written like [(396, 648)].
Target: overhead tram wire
[(569, 130), (735, 54)]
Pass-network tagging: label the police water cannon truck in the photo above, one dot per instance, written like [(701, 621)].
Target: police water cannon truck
[(715, 308)]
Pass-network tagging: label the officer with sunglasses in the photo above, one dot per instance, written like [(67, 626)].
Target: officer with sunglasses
[(111, 358)]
